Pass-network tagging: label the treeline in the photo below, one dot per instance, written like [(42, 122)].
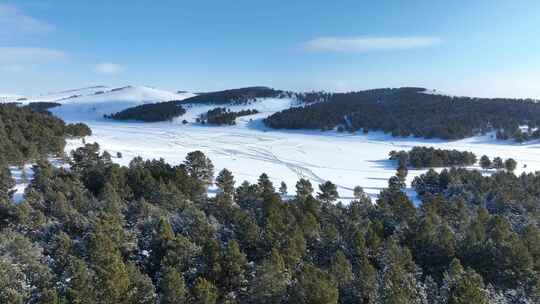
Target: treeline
[(429, 157), (234, 96), (161, 111), (408, 111), (223, 116), (41, 106), (26, 134), (148, 233)]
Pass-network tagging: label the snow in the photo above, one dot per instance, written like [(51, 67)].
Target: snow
[(20, 182), (249, 148), (92, 107)]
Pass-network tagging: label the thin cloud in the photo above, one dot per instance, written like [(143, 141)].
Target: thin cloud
[(15, 22), (367, 44), (108, 68), (26, 55)]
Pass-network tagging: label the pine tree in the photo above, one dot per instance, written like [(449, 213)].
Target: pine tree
[(283, 189), (271, 281), (328, 192), (463, 286), (485, 162), (314, 286), (498, 163), (80, 288), (172, 288), (200, 167), (141, 289), (204, 292), (398, 281), (265, 185), (401, 173), (233, 267), (510, 165), (303, 188), (341, 269), (225, 182), (358, 193), (112, 278)]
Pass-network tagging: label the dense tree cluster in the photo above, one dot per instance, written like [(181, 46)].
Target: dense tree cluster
[(41, 106), (26, 134), (78, 130), (428, 157), (234, 96), (224, 116), (148, 233), (408, 111), (161, 111)]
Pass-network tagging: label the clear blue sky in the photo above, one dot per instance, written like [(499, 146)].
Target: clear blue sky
[(482, 48)]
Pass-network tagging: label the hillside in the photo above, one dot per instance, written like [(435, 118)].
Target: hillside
[(94, 105), (408, 111), (262, 99)]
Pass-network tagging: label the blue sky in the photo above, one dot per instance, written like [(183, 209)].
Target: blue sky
[(481, 48)]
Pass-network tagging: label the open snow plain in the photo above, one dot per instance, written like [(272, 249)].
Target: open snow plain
[(249, 149)]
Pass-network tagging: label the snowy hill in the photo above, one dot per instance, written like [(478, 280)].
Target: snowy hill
[(96, 101)]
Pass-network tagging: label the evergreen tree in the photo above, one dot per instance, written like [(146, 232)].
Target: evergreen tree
[(510, 165), (304, 188), (497, 163), (141, 288), (314, 286), (328, 192), (283, 189), (80, 288), (271, 281), (462, 287), (225, 182), (204, 292), (265, 185), (112, 280), (200, 167), (399, 284), (402, 173), (358, 192), (172, 288), (485, 162), (233, 268)]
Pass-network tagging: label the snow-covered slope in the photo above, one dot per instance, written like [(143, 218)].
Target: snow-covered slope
[(94, 105), (265, 107)]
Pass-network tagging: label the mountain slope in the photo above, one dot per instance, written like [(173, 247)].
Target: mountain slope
[(94, 106)]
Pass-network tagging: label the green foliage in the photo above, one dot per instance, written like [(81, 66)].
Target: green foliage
[(426, 157), (314, 286), (28, 135), (161, 111), (328, 192), (172, 287), (223, 116), (408, 111)]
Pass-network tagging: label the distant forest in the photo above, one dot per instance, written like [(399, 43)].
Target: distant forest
[(154, 112), (164, 111), (408, 111), (234, 96), (426, 157), (223, 116)]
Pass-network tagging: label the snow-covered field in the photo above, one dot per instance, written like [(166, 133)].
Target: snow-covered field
[(249, 149)]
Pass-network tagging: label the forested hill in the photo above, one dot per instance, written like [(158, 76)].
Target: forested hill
[(241, 95), (409, 111), (28, 134)]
